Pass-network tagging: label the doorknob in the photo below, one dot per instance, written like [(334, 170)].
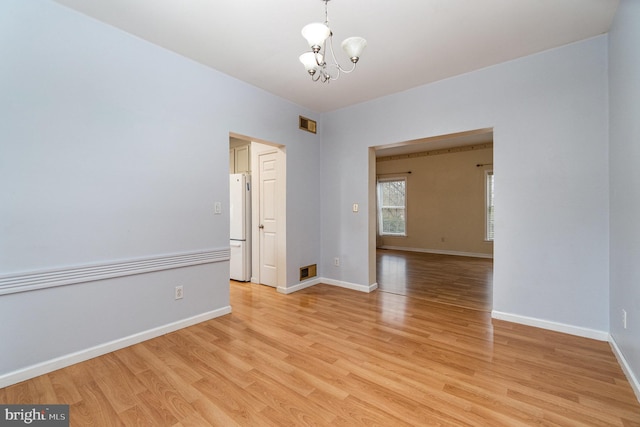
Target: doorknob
[(261, 226)]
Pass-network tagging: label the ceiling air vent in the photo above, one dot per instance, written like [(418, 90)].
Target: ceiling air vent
[(307, 124)]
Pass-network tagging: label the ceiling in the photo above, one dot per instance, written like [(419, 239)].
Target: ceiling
[(410, 42), (461, 139)]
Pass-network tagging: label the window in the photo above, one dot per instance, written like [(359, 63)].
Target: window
[(488, 178), (392, 207)]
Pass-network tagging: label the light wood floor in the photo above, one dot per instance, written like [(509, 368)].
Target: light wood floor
[(446, 279), (332, 356)]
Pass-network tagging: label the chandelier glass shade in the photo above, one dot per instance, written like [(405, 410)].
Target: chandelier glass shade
[(320, 39)]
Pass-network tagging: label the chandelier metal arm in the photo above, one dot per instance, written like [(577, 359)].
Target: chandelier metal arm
[(335, 61)]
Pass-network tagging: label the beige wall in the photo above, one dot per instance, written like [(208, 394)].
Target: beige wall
[(445, 202)]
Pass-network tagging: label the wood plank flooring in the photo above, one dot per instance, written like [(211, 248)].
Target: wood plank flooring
[(446, 279), (332, 356)]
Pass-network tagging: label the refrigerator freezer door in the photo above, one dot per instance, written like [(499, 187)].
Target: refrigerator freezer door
[(240, 261)]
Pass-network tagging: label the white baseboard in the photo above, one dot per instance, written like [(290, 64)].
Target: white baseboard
[(437, 251), (33, 371), (317, 281), (635, 384), (552, 326), (299, 286), (348, 285)]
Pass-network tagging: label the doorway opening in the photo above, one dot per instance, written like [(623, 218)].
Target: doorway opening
[(433, 214), (265, 165)]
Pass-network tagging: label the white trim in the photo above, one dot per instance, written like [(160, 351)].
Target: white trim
[(82, 355), (299, 286), (324, 280), (348, 285), (552, 326), (41, 279), (635, 384), (438, 251)]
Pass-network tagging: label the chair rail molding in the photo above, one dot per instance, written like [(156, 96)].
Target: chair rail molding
[(41, 279)]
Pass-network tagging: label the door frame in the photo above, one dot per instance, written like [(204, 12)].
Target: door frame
[(372, 178)]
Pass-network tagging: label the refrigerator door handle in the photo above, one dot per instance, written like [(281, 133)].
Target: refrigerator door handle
[(235, 244)]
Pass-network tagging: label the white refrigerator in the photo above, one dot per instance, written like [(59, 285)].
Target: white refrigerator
[(240, 230)]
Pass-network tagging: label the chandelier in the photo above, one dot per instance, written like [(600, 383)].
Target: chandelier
[(315, 63)]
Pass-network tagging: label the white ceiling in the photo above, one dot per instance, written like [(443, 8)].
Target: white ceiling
[(410, 42), (475, 137)]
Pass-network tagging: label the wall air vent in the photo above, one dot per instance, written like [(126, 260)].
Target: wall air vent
[(307, 124), (308, 272)]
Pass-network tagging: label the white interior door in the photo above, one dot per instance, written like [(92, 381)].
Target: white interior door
[(267, 217)]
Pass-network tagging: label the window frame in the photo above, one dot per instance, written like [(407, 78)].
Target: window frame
[(380, 207), (489, 206)]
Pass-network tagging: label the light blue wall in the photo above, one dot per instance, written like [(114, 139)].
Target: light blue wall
[(114, 149), (549, 115), (624, 133)]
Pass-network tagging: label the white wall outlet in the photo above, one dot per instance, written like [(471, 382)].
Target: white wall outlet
[(355, 207), (336, 262), (217, 208), (624, 319), (179, 293)]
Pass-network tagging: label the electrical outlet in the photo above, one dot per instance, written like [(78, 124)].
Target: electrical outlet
[(179, 293), (624, 319), (336, 262)]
